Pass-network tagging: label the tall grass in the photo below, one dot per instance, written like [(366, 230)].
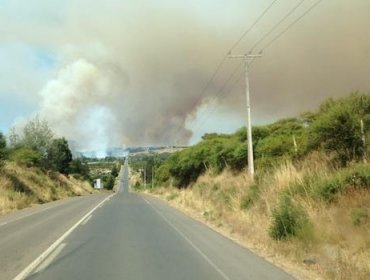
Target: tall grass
[(319, 214), (22, 187)]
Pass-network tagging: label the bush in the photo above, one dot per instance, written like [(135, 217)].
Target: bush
[(329, 189), (287, 219), (162, 174), (359, 216), (114, 171), (2, 149), (337, 127), (108, 182), (25, 156), (250, 198), (77, 167), (360, 176)]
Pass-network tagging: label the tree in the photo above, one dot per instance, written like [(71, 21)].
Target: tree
[(337, 130), (114, 171), (78, 167), (2, 149), (37, 135), (108, 182), (2, 141), (59, 156), (14, 138)]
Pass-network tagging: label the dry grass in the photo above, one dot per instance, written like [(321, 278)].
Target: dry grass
[(331, 248), (22, 187)]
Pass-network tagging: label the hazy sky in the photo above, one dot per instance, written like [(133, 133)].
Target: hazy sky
[(113, 72)]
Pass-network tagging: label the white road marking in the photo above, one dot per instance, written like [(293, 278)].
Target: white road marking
[(50, 258), (195, 247), (25, 272), (86, 220)]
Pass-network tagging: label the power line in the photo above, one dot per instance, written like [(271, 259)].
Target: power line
[(222, 92), (290, 25), (276, 25), (224, 58), (252, 26), (219, 65)]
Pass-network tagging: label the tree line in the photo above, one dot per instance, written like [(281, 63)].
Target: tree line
[(338, 128), (36, 146)]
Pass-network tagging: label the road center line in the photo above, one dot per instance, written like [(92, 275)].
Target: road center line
[(31, 267), (195, 247)]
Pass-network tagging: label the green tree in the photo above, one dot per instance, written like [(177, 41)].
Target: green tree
[(108, 182), (2, 149), (77, 166), (14, 138), (59, 155), (114, 171), (37, 135), (337, 130)]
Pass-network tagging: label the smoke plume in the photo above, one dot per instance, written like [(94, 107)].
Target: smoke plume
[(132, 72)]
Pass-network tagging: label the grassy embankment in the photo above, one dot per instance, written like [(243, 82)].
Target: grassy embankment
[(22, 187), (308, 207), (332, 206)]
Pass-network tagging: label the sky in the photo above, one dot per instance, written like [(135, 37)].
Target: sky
[(113, 73)]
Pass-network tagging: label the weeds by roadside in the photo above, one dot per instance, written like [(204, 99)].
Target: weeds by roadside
[(319, 215)]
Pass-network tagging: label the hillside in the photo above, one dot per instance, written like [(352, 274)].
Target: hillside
[(22, 186), (307, 208), (36, 167)]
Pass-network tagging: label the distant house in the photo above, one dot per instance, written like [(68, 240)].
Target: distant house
[(98, 184)]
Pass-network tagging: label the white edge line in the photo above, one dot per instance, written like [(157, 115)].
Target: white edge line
[(86, 220), (23, 274), (50, 258), (195, 247)]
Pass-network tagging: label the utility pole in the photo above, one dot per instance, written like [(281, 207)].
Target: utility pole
[(144, 176), (295, 145), (248, 59), (364, 156), (152, 176)]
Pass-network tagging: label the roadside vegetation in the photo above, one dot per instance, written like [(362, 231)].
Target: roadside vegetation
[(106, 169), (36, 167), (308, 207)]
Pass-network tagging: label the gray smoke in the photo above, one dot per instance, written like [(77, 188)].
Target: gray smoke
[(133, 73)]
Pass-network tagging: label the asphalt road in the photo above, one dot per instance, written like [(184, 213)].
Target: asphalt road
[(130, 236)]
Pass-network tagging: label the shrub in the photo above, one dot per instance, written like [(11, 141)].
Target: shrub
[(2, 149), (172, 196), (287, 219), (329, 189), (78, 167), (359, 216), (359, 176), (108, 182), (250, 198), (25, 156)]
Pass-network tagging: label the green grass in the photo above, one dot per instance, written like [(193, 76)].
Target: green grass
[(359, 216), (327, 187), (251, 197), (288, 220)]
